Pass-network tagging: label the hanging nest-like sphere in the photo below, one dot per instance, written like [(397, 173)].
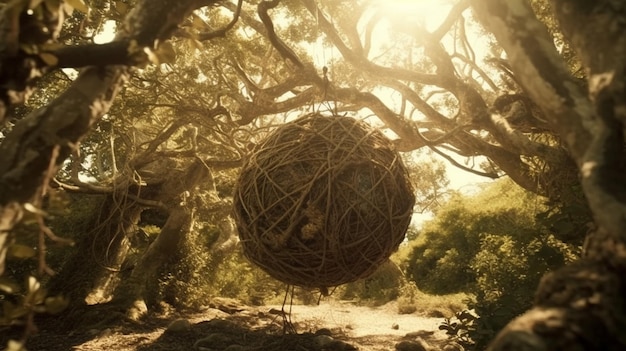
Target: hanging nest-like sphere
[(322, 201)]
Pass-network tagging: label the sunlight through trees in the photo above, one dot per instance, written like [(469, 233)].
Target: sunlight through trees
[(125, 124)]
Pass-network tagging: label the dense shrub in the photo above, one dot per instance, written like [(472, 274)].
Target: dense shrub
[(507, 273), (382, 286), (202, 272), (492, 245)]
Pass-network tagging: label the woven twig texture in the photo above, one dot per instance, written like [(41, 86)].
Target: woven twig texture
[(322, 201)]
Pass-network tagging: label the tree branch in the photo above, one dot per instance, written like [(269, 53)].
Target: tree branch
[(579, 307), (540, 69), (282, 48), (26, 152), (361, 62), (222, 32), (597, 31), (87, 188)]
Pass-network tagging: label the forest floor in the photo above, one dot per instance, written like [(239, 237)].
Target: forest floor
[(231, 326)]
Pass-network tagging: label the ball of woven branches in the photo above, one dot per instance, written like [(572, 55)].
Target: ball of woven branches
[(322, 201)]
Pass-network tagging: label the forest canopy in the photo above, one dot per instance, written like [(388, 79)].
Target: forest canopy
[(148, 130)]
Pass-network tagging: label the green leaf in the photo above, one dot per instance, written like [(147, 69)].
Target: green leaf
[(33, 284), (28, 206), (8, 286), (12, 311), (21, 251), (29, 48), (36, 294), (152, 56)]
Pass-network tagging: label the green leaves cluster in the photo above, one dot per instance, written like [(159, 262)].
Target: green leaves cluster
[(23, 293), (18, 302), (203, 271), (490, 244), (382, 286)]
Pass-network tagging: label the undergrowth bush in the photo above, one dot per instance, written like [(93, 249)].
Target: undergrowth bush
[(382, 286), (508, 272), (498, 251), (414, 301), (202, 272)]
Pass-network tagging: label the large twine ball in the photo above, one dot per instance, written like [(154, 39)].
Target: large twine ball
[(322, 201)]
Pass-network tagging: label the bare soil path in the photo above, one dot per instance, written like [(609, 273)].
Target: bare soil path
[(229, 326)]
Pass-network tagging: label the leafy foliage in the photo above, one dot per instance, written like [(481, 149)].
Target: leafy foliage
[(461, 328), (381, 287), (499, 251), (212, 98), (22, 287), (428, 175)]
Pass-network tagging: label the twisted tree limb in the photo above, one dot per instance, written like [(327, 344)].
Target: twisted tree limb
[(582, 306), (26, 152), (282, 48)]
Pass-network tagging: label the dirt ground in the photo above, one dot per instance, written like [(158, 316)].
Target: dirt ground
[(230, 326)]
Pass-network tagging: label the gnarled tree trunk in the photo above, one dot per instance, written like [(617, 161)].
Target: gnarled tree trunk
[(582, 306), (178, 194), (90, 274)]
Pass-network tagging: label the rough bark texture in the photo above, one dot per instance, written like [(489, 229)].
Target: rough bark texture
[(131, 294), (99, 255), (40, 143), (582, 306)]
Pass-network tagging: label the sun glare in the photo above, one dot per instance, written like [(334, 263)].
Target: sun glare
[(107, 33), (427, 13)]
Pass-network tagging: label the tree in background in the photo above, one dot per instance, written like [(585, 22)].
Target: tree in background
[(523, 109), (497, 251), (440, 259)]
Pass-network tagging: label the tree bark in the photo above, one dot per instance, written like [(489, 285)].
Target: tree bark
[(132, 295), (178, 192), (41, 142), (99, 255), (581, 306)]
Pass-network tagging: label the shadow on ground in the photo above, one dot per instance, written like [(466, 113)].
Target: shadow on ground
[(226, 327)]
